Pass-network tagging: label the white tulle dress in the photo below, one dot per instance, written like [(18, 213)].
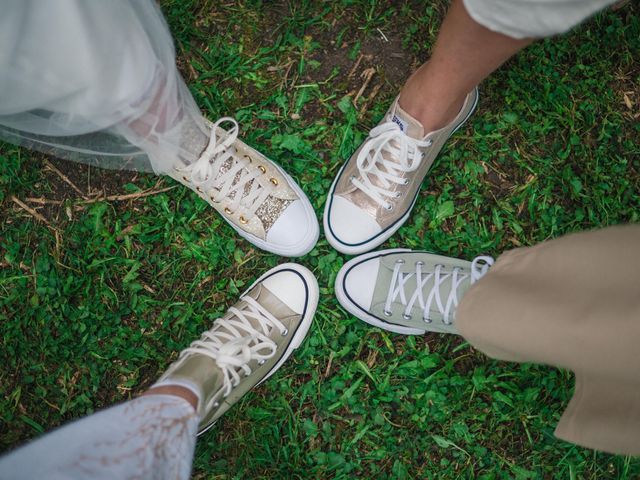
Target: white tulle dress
[(95, 81)]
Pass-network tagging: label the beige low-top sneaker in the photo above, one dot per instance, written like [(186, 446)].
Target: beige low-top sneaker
[(409, 292), (253, 194), (375, 190), (249, 343)]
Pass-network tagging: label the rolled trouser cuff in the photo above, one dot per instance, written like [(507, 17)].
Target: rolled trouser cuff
[(532, 18), (604, 414), (573, 303)]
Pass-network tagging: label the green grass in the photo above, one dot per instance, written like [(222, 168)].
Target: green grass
[(94, 307)]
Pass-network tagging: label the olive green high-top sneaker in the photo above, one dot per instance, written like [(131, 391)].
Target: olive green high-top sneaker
[(249, 343)]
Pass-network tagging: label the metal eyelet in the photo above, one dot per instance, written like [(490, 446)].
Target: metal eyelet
[(274, 181), (387, 313), (406, 181), (400, 261), (227, 211), (243, 220), (248, 158), (427, 320), (261, 362), (198, 189), (184, 177), (285, 333), (407, 317), (420, 263), (388, 207), (216, 405), (262, 169)]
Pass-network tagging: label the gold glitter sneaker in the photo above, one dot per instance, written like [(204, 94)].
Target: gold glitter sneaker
[(376, 189), (253, 194)]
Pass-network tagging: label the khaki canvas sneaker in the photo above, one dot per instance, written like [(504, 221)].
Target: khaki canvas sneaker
[(253, 194), (374, 192), (249, 343), (406, 291)]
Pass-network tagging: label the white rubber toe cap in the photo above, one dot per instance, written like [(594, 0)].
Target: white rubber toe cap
[(360, 281), (295, 231), (289, 288), (349, 224)]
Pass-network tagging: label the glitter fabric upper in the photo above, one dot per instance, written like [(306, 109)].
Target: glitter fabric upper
[(269, 211)]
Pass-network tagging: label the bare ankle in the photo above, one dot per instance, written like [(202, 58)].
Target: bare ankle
[(434, 114)]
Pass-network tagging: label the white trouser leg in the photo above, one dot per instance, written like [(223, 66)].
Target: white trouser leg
[(152, 436)]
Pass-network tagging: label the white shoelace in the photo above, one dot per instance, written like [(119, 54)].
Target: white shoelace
[(479, 267), (233, 343), (204, 173), (387, 137)]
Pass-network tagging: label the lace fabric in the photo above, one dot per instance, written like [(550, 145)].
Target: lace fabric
[(152, 436)]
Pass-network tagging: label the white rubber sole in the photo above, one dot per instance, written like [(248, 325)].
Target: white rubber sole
[(378, 240), (358, 312), (364, 247), (305, 323), (298, 250)]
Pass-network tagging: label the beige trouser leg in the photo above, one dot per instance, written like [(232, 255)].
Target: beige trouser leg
[(573, 303)]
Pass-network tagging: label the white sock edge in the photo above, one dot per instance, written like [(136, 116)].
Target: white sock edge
[(169, 382)]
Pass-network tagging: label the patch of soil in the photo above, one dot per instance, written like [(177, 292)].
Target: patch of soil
[(64, 181), (364, 65), (384, 53), (90, 180), (380, 67), (627, 91)]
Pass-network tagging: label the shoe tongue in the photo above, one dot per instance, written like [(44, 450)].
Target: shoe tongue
[(267, 300), (409, 125), (225, 167), (271, 302)]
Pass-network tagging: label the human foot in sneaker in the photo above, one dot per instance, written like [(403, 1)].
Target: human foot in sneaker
[(255, 196), (376, 189), (248, 344), (406, 291)]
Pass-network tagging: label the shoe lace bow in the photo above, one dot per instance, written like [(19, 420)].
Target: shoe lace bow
[(235, 341), (239, 182), (479, 267), (403, 155)]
